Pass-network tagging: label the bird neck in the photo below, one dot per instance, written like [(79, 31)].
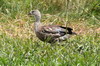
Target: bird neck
[(37, 24), (37, 18)]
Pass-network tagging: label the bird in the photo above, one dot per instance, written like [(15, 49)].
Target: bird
[(50, 33)]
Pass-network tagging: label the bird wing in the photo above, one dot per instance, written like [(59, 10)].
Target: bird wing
[(55, 31)]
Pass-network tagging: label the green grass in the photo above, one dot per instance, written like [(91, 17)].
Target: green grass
[(81, 50), (20, 47)]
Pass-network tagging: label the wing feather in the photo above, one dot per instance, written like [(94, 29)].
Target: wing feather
[(54, 30)]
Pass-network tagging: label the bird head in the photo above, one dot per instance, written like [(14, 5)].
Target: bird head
[(36, 13)]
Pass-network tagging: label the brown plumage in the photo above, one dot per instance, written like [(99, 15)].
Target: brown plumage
[(50, 33)]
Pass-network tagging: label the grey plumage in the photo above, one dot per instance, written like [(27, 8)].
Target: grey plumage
[(50, 33)]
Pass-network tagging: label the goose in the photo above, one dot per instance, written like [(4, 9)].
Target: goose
[(50, 33)]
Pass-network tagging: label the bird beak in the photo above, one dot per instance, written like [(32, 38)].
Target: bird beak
[(29, 13)]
